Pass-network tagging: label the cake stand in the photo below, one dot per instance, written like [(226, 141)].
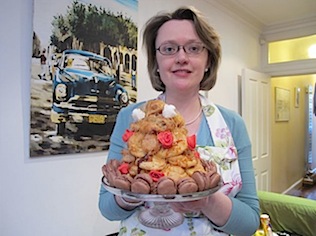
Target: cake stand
[(160, 215)]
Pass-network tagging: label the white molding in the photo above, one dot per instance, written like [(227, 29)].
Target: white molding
[(281, 31), (293, 186), (290, 68), (238, 13), (286, 31), (289, 30)]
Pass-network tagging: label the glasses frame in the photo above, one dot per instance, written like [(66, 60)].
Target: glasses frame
[(184, 47)]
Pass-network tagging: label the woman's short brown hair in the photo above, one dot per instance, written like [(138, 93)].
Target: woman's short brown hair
[(205, 32)]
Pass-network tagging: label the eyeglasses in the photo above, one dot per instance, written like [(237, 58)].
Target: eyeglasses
[(169, 49)]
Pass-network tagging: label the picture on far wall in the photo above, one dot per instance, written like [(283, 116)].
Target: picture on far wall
[(84, 70), (297, 92), (282, 104)]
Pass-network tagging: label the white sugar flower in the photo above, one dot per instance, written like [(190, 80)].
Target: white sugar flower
[(138, 114), (169, 111)]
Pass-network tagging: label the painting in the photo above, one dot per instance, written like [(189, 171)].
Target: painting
[(282, 104), (84, 71), (297, 92)]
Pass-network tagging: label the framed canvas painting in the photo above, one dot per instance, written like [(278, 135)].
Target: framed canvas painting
[(297, 92), (282, 104), (84, 70)]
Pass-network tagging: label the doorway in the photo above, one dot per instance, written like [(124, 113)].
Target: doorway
[(289, 138)]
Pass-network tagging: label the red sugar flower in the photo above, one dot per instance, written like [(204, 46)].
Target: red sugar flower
[(197, 155), (156, 175), (191, 140), (123, 168), (165, 138), (127, 135)]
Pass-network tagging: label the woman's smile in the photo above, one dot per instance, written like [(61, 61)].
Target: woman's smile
[(182, 72)]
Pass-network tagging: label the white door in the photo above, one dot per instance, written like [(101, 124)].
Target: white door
[(256, 113)]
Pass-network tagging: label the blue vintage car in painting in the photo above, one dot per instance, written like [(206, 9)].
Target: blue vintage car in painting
[(85, 90)]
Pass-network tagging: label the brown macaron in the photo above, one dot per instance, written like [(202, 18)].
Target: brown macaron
[(111, 166), (212, 180), (210, 166), (142, 184), (200, 179), (166, 185), (111, 176), (122, 182), (114, 164), (110, 171), (187, 185)]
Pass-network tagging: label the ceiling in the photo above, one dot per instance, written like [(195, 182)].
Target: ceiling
[(273, 12)]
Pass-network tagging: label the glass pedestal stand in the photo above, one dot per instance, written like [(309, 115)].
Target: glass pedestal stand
[(160, 216)]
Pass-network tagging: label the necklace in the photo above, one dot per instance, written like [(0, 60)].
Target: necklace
[(194, 119)]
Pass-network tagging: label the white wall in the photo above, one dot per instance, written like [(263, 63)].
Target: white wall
[(59, 195)]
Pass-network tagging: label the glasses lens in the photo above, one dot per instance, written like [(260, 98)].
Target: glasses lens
[(194, 48), (171, 49), (168, 49)]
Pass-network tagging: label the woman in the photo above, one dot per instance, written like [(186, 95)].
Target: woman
[(183, 58)]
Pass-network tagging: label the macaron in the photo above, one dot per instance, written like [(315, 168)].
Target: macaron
[(141, 183), (210, 166), (187, 185), (200, 179), (110, 174), (122, 182), (114, 164), (212, 180), (166, 185)]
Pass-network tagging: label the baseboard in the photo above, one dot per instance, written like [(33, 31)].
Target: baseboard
[(293, 186)]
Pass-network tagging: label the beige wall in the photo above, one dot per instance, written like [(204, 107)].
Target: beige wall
[(289, 138)]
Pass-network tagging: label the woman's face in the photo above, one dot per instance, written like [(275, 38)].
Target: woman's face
[(181, 71)]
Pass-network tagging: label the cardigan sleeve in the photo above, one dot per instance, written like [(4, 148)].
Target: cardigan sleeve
[(107, 204)]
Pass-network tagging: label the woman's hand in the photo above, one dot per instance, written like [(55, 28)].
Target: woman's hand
[(189, 206), (128, 204), (216, 207)]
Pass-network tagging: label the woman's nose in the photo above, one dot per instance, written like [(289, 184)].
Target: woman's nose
[(181, 56)]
